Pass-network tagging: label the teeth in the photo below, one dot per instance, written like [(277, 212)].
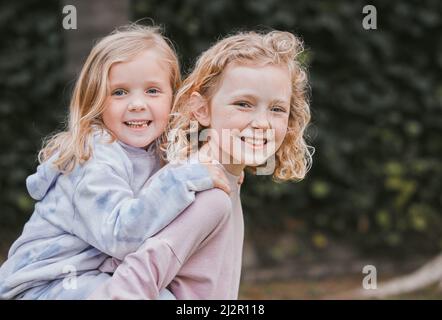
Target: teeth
[(137, 124), (254, 141)]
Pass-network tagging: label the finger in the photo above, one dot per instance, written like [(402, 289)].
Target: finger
[(241, 178), (223, 186), (205, 159)]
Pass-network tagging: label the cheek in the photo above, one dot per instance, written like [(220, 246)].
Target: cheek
[(163, 108), (280, 126), (161, 115), (113, 111), (108, 116), (229, 119)]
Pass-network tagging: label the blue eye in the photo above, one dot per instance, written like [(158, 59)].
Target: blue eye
[(119, 92), (278, 109), (152, 91), (243, 104)]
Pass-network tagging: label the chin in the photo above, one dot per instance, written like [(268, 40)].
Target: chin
[(249, 160), (254, 163), (139, 144)]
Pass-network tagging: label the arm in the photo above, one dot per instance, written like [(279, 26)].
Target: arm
[(110, 218), (142, 274)]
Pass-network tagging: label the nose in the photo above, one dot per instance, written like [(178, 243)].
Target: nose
[(137, 105), (260, 120)]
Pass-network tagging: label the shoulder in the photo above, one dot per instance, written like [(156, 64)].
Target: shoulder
[(105, 149), (209, 207), (214, 199), (108, 153), (107, 157)]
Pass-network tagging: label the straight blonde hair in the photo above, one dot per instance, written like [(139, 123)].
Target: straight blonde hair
[(74, 145)]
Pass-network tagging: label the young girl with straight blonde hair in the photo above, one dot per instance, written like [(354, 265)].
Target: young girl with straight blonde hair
[(93, 203)]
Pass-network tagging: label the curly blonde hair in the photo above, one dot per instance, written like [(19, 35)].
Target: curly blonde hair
[(74, 145), (294, 157)]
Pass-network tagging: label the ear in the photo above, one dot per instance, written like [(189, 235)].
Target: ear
[(200, 108)]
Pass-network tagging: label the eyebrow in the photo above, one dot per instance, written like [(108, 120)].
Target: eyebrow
[(281, 102), (244, 96), (253, 97), (126, 84)]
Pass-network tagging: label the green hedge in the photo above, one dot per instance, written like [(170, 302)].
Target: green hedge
[(377, 116), (31, 66), (376, 106)]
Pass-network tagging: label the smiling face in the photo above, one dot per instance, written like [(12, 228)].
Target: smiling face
[(249, 114), (140, 99)]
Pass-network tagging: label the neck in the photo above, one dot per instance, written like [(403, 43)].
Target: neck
[(207, 151), (234, 169)]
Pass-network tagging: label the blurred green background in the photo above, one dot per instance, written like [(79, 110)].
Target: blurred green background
[(373, 194)]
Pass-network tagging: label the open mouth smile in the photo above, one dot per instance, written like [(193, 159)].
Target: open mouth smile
[(254, 142), (138, 124)]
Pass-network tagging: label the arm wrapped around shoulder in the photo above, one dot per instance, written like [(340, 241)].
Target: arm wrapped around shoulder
[(144, 273)]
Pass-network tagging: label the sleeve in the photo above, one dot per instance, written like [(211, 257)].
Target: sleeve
[(150, 269), (110, 218)]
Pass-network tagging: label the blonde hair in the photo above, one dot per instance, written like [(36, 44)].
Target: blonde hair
[(74, 145), (293, 158)]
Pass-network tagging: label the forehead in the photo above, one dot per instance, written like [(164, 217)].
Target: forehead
[(149, 64), (268, 78)]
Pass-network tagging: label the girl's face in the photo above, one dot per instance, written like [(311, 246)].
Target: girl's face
[(140, 99), (249, 114)]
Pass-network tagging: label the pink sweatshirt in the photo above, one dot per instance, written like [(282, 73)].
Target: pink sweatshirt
[(197, 256)]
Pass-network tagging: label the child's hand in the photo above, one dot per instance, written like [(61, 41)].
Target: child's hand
[(218, 177), (241, 178)]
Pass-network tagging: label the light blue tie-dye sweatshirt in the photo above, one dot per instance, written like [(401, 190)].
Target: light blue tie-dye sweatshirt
[(98, 210)]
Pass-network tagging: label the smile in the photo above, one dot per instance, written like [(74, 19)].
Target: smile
[(139, 124), (254, 142)]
